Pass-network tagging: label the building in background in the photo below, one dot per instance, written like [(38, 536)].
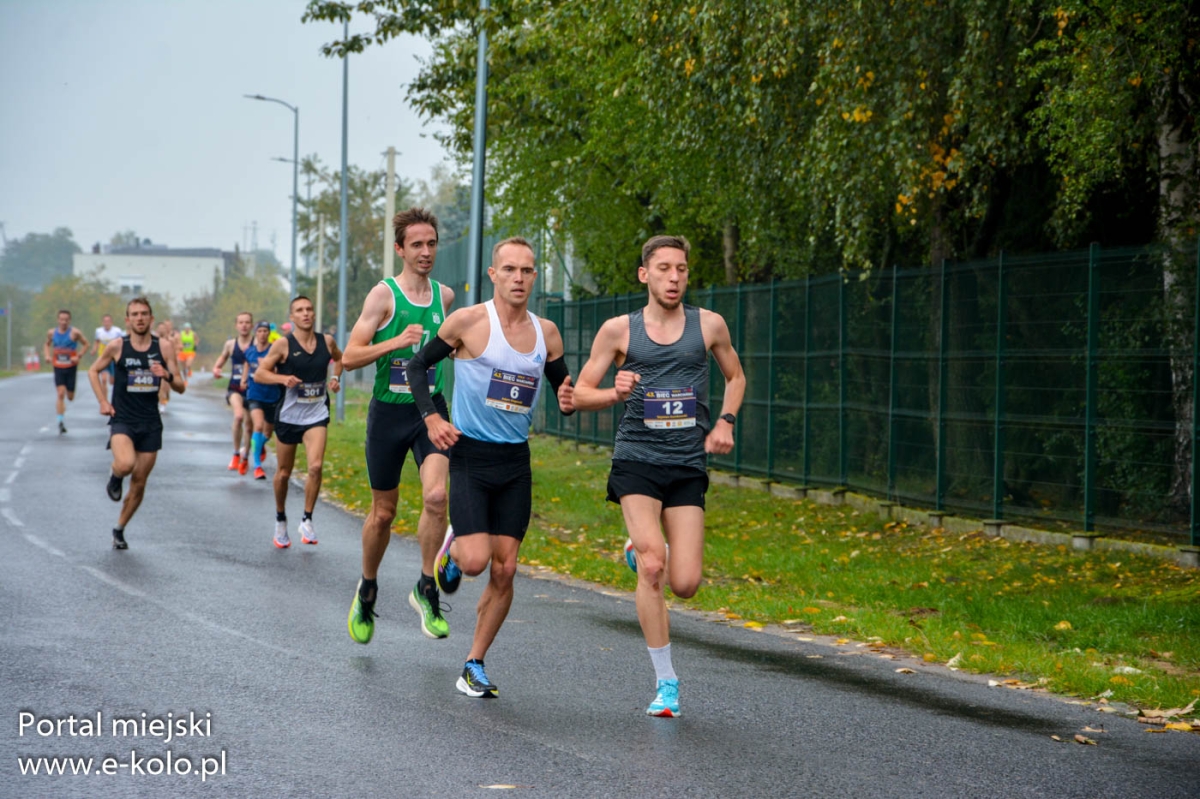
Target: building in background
[(175, 273)]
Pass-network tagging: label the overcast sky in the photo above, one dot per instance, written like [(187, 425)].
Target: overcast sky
[(128, 115)]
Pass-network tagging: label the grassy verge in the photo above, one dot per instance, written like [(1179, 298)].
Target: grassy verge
[(1078, 623)]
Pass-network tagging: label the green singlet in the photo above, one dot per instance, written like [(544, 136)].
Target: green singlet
[(391, 384)]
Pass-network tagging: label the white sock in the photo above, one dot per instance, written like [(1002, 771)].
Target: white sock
[(661, 658)]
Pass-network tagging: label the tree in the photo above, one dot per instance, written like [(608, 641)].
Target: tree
[(37, 259), (449, 200)]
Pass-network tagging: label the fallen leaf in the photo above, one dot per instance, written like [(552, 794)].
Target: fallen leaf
[(1106, 709), (842, 641), (905, 670), (1127, 670), (1094, 729), (753, 625), (1152, 719), (1063, 625), (993, 684), (841, 618), (1056, 738), (1181, 726), (955, 661), (1083, 739)]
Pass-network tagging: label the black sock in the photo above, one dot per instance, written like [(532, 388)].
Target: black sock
[(112, 478), (368, 589), (118, 531), (280, 516), (426, 584), (307, 516), (476, 660)]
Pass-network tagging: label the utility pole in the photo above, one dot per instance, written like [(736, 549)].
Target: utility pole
[(320, 269), (475, 244), (341, 322), (389, 252)]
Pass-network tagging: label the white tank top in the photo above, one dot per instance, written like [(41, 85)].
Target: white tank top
[(495, 394)]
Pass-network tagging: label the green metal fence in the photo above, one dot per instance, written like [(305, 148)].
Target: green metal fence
[(1050, 387)]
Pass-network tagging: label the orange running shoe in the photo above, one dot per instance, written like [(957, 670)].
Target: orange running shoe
[(259, 473), (243, 465), (235, 463)]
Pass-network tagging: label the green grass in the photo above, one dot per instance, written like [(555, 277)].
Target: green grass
[(1073, 621)]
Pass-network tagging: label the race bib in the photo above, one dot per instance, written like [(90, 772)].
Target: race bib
[(62, 357), (669, 408), (141, 381), (309, 393), (512, 392), (398, 378), (236, 375)]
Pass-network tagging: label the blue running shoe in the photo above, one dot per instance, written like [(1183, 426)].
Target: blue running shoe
[(447, 574), (629, 556), (666, 702), (474, 681)]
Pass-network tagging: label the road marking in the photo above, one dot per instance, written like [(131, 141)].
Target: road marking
[(28, 448), (37, 542), (12, 517), (11, 478), (5, 495), (18, 463)]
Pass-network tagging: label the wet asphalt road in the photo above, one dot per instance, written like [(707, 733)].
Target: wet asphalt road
[(203, 615)]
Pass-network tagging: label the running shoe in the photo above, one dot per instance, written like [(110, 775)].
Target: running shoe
[(307, 534), (281, 537), (119, 539), (447, 574), (474, 681), (629, 556), (114, 487), (243, 464), (361, 621), (666, 702), (429, 609), (235, 463), (260, 473), (62, 428)]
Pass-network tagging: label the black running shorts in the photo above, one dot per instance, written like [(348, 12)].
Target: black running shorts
[(393, 429), (145, 437), (66, 377), (674, 486), (269, 409), (287, 433), (491, 488)]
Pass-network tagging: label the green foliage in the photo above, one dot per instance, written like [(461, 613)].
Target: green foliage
[(37, 259), (87, 297)]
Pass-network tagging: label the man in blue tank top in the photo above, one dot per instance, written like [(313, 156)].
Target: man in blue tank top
[(659, 470), (64, 347), (501, 353)]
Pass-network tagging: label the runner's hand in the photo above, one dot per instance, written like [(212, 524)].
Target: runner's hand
[(291, 381), (216, 373), (442, 434), (335, 383), (106, 408), (566, 396), (624, 383), (719, 440), (411, 335)]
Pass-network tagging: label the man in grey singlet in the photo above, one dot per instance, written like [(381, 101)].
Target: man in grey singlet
[(659, 471)]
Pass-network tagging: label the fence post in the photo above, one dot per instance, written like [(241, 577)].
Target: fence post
[(998, 434), (807, 375), (891, 445), (943, 373), (739, 296), (1091, 393), (771, 381), (1195, 525), (842, 470)]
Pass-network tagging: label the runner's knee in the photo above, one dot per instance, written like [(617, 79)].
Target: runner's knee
[(434, 499)]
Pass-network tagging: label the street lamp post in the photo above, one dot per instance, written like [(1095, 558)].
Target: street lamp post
[(295, 171)]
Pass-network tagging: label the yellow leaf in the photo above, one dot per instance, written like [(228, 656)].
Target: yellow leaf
[(1063, 625), (811, 610), (1182, 726), (929, 657), (753, 625), (842, 641), (1083, 739)]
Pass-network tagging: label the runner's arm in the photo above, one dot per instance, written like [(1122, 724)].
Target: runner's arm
[(108, 355), (359, 349), (266, 374), (607, 348), (169, 364), (226, 352), (337, 356), (720, 437), (556, 368)]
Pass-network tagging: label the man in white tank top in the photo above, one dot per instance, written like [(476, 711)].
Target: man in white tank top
[(502, 352)]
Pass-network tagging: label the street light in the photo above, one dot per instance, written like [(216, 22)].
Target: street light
[(295, 170)]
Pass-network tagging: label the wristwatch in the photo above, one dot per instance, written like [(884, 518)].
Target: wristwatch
[(729, 417)]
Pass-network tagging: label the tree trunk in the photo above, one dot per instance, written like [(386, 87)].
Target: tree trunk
[(730, 238), (1177, 209)]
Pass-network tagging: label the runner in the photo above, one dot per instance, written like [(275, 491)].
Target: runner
[(104, 334), (300, 362), (262, 399), (502, 352), (659, 470), (399, 316), (143, 362), (187, 341), (235, 394), (166, 334), (64, 347)]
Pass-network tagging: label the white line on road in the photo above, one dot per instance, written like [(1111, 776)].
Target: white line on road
[(12, 517), (28, 448), (5, 495), (18, 463), (37, 542), (12, 476)]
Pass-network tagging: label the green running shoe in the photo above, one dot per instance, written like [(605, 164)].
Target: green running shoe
[(361, 621), (429, 609)]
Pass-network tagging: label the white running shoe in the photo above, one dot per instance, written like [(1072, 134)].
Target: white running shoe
[(307, 534), (281, 537)]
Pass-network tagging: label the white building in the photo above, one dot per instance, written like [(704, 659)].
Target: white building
[(177, 274)]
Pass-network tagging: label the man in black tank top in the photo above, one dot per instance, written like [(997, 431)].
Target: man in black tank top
[(659, 471), (142, 363), (299, 362), (235, 394)]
